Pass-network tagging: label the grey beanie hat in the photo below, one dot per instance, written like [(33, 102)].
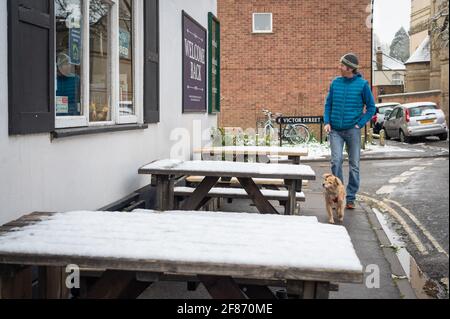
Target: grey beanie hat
[(350, 60)]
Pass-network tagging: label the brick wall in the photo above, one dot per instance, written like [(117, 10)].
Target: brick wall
[(290, 70), (430, 96)]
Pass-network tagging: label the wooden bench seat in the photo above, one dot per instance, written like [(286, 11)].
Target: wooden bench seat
[(239, 193), (235, 183), (282, 196)]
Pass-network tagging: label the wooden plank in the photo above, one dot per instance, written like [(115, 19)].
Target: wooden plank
[(234, 181), (139, 204), (222, 287), (309, 290), (164, 193), (257, 292), (165, 266), (119, 205), (295, 289), (52, 283), (295, 159), (291, 204), (15, 282), (28, 220), (237, 193), (149, 277), (323, 290), (262, 204), (194, 202)]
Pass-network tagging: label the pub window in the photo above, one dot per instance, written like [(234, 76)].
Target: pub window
[(95, 62), (262, 23)]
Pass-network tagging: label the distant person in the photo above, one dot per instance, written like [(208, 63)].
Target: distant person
[(344, 118), (68, 87)]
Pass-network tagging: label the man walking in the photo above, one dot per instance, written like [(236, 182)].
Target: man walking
[(344, 118)]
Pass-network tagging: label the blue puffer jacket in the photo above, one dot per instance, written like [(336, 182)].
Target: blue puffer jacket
[(344, 107)]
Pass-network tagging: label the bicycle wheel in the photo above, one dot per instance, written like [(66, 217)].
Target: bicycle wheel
[(269, 131), (298, 134)]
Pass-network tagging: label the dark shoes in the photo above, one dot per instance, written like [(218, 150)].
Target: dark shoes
[(350, 205)]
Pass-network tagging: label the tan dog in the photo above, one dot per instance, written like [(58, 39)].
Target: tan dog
[(335, 194)]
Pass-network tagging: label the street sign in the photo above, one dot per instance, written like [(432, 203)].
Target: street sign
[(300, 120)]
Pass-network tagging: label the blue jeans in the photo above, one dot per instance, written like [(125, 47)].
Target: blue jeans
[(352, 138)]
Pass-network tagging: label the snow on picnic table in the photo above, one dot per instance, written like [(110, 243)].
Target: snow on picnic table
[(228, 168), (218, 238)]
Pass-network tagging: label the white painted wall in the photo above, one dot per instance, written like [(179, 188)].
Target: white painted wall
[(88, 172)]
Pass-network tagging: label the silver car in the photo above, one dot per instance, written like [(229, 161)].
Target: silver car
[(383, 109), (411, 120)]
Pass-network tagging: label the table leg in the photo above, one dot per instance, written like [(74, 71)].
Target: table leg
[(52, 283), (201, 192), (295, 159), (308, 289), (164, 193), (262, 204), (221, 287), (291, 204), (257, 292), (15, 282)]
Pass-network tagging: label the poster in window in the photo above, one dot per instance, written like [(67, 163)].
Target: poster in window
[(75, 46), (194, 66), (124, 44)]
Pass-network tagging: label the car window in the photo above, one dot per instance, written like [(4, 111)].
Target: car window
[(382, 110), (399, 113), (393, 114), (418, 111)]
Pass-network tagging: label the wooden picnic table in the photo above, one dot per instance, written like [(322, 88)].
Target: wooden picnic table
[(214, 170), (233, 255), (243, 152)]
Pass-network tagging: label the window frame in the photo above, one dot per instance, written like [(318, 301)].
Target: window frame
[(62, 122), (262, 31)]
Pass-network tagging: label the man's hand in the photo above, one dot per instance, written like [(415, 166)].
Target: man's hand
[(328, 128)]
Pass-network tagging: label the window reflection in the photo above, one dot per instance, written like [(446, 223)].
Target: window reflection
[(126, 57), (100, 78), (68, 57)]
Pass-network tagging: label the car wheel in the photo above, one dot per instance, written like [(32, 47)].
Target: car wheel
[(443, 136), (403, 137)]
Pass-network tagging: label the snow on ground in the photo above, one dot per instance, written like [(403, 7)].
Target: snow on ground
[(322, 151), (219, 238)]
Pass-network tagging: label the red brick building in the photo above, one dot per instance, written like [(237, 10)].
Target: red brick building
[(289, 69)]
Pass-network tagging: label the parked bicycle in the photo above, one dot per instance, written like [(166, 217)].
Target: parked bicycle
[(294, 133)]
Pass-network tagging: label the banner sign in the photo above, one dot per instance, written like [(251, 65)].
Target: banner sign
[(194, 65)]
